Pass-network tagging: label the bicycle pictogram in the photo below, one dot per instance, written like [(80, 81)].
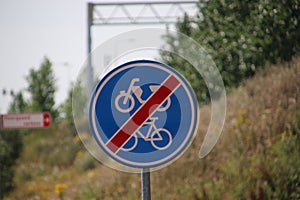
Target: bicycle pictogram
[(125, 102), (160, 138)]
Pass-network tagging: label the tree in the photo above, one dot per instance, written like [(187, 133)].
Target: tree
[(42, 88), (75, 106), (241, 37), (19, 104), (11, 144), (66, 108)]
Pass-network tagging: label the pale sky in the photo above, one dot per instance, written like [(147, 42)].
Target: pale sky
[(32, 29)]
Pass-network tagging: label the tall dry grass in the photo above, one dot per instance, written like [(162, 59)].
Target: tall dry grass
[(263, 118), (256, 157)]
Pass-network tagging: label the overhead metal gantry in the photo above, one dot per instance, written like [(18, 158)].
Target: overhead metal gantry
[(146, 12), (134, 13)]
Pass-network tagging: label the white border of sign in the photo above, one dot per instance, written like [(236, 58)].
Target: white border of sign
[(190, 135)]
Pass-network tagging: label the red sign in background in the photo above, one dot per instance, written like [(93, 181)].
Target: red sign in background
[(26, 120)]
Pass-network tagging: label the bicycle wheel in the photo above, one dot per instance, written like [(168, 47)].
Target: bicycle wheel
[(130, 144), (161, 139), (165, 105), (124, 107)]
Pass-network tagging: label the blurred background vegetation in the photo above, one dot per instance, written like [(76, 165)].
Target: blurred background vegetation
[(255, 45), (241, 37)]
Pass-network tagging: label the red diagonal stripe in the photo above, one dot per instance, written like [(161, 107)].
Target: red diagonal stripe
[(142, 114)]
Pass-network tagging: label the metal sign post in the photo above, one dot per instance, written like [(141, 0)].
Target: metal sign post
[(146, 187)]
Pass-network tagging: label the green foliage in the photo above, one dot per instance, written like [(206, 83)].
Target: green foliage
[(79, 107), (75, 105), (272, 175), (50, 150), (241, 36), (85, 162), (88, 192), (41, 86), (66, 112), (42, 89), (19, 104), (66, 108), (11, 143), (10, 149), (80, 97)]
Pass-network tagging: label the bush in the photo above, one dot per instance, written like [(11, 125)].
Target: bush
[(10, 149)]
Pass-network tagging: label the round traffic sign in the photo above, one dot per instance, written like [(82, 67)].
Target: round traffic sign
[(143, 114)]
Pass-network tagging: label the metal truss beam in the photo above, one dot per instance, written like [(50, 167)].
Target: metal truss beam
[(134, 13)]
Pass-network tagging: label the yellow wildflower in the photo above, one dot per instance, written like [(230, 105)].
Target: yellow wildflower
[(60, 189), (79, 154), (91, 174), (30, 189)]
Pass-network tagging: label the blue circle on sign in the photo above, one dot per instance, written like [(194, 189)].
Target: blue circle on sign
[(143, 114)]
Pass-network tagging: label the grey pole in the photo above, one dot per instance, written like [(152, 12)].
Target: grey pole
[(89, 49), (146, 189)]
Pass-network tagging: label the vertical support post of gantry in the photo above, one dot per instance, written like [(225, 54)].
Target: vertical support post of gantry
[(90, 75)]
